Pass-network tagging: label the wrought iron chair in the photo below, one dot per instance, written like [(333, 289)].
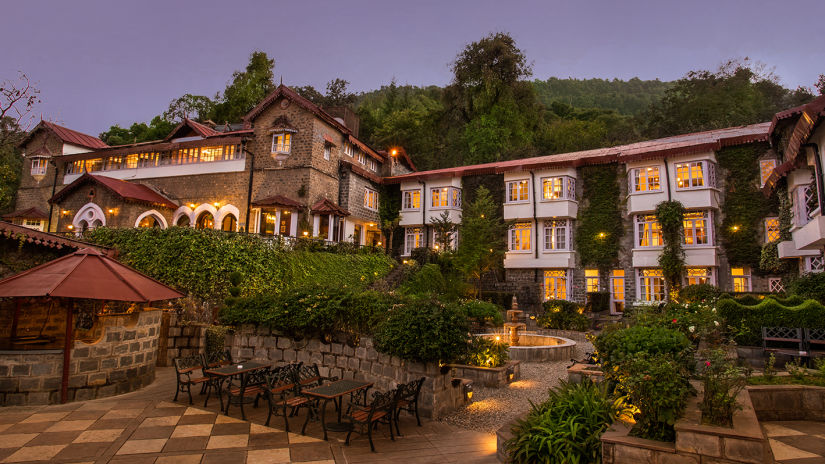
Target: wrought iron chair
[(211, 361), (408, 394), (379, 411), (309, 376), (245, 386), (187, 374), (281, 393)]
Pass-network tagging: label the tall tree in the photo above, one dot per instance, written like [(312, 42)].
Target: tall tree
[(197, 107), (480, 246), (247, 89), (157, 129), (17, 100)]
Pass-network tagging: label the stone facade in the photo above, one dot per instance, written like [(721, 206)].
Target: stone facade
[(439, 395), (178, 339), (490, 377)]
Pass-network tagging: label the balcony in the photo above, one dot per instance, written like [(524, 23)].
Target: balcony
[(550, 259), (787, 249), (557, 208), (700, 256), (416, 218), (811, 236), (646, 257)]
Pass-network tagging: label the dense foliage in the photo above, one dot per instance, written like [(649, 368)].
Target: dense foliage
[(563, 315), (809, 286), (485, 352), (615, 347), (628, 97), (481, 248), (484, 312), (199, 262), (722, 380), (747, 318), (567, 427), (599, 224), (670, 215)]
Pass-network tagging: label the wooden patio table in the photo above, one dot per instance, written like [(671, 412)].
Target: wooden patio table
[(335, 391), (240, 369)]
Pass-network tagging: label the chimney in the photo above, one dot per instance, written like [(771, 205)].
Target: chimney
[(346, 116)]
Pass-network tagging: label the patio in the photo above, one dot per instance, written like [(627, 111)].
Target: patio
[(147, 427)]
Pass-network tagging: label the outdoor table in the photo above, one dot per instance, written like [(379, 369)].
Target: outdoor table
[(335, 391), (227, 372)]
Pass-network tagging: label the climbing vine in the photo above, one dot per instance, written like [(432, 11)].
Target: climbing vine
[(745, 206), (599, 229), (670, 215), (770, 262)]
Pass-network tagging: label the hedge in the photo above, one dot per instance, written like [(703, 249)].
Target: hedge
[(199, 261), (747, 320)]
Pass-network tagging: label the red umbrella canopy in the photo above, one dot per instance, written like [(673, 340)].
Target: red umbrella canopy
[(89, 274)]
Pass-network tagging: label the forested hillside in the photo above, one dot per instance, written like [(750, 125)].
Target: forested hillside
[(629, 97)]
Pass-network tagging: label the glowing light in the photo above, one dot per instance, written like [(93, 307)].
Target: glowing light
[(602, 235), (217, 204), (70, 227), (735, 229), (306, 233), (405, 261), (482, 216), (65, 212), (111, 211), (498, 338), (379, 244), (394, 152), (436, 247)]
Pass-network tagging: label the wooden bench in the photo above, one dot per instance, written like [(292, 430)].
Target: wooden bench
[(815, 342), (783, 340)]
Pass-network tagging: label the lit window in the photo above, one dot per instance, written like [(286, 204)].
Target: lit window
[(413, 238), (591, 280), (76, 167), (651, 285), (766, 168), (412, 200), (556, 188), (518, 190), (556, 233), (699, 275), (741, 279), (94, 165), (696, 230), (555, 284), (814, 264), (209, 154), (775, 285), (772, 231), (281, 143), (691, 175), (520, 237), (648, 231), (370, 199), (36, 224), (327, 150), (39, 166), (132, 160), (445, 197), (617, 290), (646, 179)]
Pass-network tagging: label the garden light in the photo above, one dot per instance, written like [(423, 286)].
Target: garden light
[(468, 391), (498, 338), (602, 235), (70, 227), (734, 229), (306, 233)]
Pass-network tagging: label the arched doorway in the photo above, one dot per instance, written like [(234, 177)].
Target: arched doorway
[(183, 221), (148, 222), (229, 223), (205, 221)]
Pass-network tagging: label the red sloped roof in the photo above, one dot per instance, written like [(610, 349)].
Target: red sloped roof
[(28, 213), (72, 136), (44, 238), (196, 127), (277, 200), (121, 188), (87, 274), (324, 206)]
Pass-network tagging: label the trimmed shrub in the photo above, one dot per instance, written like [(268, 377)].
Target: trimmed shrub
[(425, 281), (809, 286), (748, 320), (563, 315), (483, 312), (567, 427), (616, 346), (484, 352), (699, 293)]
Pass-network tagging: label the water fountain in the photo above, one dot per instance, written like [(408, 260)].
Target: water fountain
[(513, 326)]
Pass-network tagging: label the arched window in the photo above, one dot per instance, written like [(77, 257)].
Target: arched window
[(149, 222), (82, 226), (205, 221), (183, 221), (229, 223)]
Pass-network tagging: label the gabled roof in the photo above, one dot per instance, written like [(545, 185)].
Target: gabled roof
[(187, 127), (121, 188), (324, 206), (401, 153), (361, 171), (28, 213), (685, 144), (277, 200), (66, 135), (44, 238)]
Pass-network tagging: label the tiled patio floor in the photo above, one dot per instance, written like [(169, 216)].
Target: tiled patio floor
[(147, 427), (796, 442)]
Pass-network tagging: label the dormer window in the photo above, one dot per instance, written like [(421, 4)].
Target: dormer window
[(39, 166), (282, 143)]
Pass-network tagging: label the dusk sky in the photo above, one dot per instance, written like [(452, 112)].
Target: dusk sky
[(100, 63)]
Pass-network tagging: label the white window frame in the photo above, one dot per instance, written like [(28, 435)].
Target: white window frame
[(707, 170), (348, 149), (591, 281), (707, 216), (516, 234), (768, 228), (362, 158), (642, 224), (372, 165), (567, 186), (453, 243), (561, 284), (614, 283), (327, 151), (745, 277), (693, 273), (413, 238), (763, 165), (407, 199), (554, 231), (39, 166), (285, 146), (646, 282), (521, 188), (813, 264), (775, 285), (370, 199), (637, 174), (451, 197), (36, 224)]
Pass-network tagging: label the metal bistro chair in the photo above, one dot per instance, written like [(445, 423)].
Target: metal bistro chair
[(186, 375), (379, 411), (281, 394), (309, 376), (211, 361), (408, 394), (245, 386)]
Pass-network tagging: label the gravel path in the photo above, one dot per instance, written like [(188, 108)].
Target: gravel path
[(493, 407)]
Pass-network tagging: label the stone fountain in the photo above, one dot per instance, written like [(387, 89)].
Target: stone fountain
[(513, 325)]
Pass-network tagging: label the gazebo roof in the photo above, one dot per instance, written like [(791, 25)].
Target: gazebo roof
[(87, 274)]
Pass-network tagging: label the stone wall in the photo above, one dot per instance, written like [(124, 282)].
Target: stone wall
[(439, 395), (788, 402), (120, 359), (177, 339), (490, 377)]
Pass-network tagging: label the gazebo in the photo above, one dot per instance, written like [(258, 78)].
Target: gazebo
[(121, 342)]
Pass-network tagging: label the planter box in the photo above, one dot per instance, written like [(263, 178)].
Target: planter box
[(788, 402), (491, 377)]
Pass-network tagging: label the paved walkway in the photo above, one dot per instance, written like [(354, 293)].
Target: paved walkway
[(796, 442), (147, 427)]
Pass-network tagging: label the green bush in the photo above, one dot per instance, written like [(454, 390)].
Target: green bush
[(483, 312), (215, 338), (598, 302), (566, 428), (484, 352), (424, 330), (503, 299), (748, 320), (699, 293), (722, 380), (199, 262), (809, 286), (428, 280), (563, 315), (616, 346)]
